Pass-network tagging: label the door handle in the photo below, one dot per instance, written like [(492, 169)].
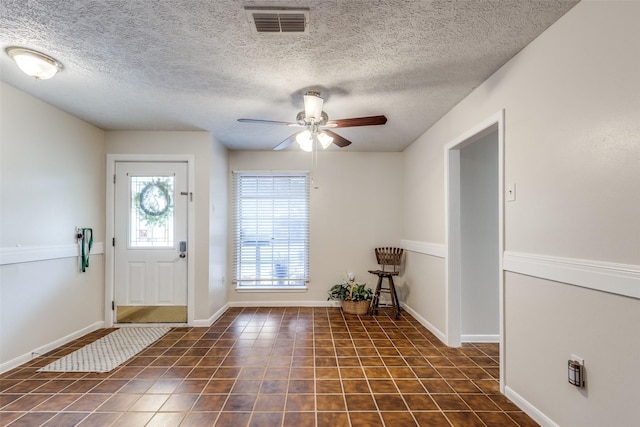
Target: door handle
[(183, 249)]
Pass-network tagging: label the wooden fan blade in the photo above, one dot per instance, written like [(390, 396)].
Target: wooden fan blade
[(337, 139), (284, 144), (357, 121), (267, 122)]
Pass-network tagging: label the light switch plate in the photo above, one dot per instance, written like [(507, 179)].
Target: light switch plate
[(511, 192)]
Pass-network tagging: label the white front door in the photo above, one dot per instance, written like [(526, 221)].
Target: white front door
[(151, 200)]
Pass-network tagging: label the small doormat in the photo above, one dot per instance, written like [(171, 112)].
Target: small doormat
[(151, 313), (108, 352)]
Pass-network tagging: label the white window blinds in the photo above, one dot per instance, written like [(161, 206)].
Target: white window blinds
[(271, 229)]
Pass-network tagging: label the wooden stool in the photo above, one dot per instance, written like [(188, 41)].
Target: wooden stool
[(387, 258)]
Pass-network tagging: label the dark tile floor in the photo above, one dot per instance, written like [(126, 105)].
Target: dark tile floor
[(273, 367)]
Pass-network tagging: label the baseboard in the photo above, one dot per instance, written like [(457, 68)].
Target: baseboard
[(527, 407), (424, 322), (283, 304), (208, 322), (15, 362), (480, 338)]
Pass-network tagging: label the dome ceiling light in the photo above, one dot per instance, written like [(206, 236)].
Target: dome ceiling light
[(33, 63)]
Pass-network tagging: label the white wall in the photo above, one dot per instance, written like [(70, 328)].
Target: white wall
[(206, 156), (572, 146), (51, 180), (479, 238), (551, 321), (355, 206)]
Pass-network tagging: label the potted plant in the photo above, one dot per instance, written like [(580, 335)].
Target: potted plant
[(355, 297)]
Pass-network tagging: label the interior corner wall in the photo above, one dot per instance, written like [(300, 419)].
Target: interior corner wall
[(218, 230), (355, 206), (198, 143), (51, 181), (572, 147)]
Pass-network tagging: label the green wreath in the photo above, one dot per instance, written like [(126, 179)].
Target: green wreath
[(154, 203)]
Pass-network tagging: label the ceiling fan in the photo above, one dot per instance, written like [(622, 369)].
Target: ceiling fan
[(315, 123)]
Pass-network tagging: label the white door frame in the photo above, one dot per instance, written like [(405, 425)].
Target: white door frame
[(109, 252), (453, 283)]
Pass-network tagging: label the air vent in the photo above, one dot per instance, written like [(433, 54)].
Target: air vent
[(278, 20)]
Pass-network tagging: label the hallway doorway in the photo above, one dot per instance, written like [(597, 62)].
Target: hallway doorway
[(474, 180)]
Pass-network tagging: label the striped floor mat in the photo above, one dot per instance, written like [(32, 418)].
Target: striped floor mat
[(108, 352)]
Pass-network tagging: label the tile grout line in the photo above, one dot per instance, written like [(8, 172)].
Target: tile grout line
[(344, 394), (476, 368)]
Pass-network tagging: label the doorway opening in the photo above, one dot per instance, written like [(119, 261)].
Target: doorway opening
[(149, 270), (474, 164)]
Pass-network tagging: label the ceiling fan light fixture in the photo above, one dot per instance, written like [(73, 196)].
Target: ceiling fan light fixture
[(34, 63), (305, 141), (325, 140), (307, 146), (313, 106), (314, 120)]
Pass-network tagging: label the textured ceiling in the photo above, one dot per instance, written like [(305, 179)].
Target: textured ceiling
[(196, 64)]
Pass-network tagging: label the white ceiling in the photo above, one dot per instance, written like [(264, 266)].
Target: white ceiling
[(196, 64)]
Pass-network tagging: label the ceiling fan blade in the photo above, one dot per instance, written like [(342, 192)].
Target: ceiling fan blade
[(284, 144), (337, 139), (357, 121), (267, 122)]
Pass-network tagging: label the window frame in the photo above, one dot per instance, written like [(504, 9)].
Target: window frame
[(294, 282)]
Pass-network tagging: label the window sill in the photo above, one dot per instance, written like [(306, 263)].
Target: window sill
[(283, 289)]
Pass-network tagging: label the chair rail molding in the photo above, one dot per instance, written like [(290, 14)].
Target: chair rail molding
[(621, 279), (427, 248), (20, 254)]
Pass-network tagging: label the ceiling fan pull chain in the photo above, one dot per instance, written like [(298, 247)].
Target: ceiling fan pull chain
[(314, 156)]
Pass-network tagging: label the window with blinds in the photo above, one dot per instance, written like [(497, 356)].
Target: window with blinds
[(271, 229)]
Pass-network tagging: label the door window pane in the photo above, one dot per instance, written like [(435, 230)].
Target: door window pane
[(151, 213)]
